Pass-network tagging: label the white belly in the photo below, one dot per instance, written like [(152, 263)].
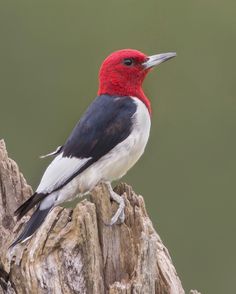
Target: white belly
[(117, 162), (120, 159)]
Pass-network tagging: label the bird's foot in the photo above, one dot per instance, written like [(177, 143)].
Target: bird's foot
[(120, 213)]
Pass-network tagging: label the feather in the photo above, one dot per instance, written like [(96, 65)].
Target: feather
[(58, 172), (28, 204), (107, 122), (57, 151), (32, 225)]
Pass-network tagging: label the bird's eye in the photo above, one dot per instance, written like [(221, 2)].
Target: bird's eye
[(128, 61)]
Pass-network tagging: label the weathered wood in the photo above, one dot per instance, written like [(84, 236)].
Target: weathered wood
[(74, 251)]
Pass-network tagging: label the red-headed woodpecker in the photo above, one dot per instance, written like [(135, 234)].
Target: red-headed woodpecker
[(106, 142)]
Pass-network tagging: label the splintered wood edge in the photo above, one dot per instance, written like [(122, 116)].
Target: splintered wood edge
[(58, 225)]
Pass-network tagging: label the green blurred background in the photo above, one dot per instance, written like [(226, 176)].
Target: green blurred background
[(50, 52)]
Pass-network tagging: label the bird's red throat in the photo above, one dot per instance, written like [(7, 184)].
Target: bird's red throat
[(123, 87)]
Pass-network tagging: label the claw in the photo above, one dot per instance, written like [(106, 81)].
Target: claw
[(120, 214)]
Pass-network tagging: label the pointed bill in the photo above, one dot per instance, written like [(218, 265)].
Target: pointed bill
[(154, 60)]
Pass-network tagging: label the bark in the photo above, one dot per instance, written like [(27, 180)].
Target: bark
[(74, 251)]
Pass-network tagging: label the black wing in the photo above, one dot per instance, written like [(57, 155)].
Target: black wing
[(106, 123)]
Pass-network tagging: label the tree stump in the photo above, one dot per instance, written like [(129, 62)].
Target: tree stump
[(74, 251)]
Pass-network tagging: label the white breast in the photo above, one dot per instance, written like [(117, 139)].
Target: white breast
[(120, 159), (117, 162)]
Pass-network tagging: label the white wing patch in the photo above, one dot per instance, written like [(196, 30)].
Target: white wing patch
[(60, 169)]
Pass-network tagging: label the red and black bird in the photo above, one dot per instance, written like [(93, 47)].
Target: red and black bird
[(106, 142)]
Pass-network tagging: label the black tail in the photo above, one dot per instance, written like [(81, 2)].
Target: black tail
[(32, 225), (28, 204)]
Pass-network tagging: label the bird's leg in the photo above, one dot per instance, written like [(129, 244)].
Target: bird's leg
[(120, 214)]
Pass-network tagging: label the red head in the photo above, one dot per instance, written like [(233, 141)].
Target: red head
[(122, 73)]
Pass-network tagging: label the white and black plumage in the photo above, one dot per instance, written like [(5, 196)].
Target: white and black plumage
[(107, 141)]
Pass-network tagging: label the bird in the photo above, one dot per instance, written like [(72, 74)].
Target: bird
[(107, 141)]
